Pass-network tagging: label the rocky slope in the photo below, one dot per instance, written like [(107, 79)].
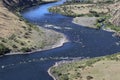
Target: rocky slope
[(18, 35)]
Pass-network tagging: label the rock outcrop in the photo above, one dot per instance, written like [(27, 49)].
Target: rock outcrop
[(115, 13), (13, 4), (116, 18)]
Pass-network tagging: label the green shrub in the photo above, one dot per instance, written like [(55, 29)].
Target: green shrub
[(26, 49), (98, 25), (3, 49), (64, 77), (14, 46), (94, 13), (12, 37), (89, 77), (4, 40)]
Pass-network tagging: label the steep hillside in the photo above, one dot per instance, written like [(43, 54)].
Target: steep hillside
[(17, 35), (21, 4)]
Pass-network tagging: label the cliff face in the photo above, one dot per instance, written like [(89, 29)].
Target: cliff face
[(14, 4), (115, 13)]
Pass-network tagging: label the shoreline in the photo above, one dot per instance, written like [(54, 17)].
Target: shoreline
[(60, 42), (93, 61), (50, 74), (63, 62)]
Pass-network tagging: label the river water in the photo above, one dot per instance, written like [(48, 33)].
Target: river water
[(84, 42)]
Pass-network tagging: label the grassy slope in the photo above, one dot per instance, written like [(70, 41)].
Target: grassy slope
[(103, 68), (18, 35)]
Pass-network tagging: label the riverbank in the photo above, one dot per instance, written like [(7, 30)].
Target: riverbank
[(57, 64), (50, 74), (87, 69)]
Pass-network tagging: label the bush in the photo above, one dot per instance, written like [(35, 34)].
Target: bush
[(98, 25), (3, 49), (89, 77), (4, 40), (12, 37), (109, 1), (14, 46), (100, 20), (94, 13), (64, 77), (26, 49)]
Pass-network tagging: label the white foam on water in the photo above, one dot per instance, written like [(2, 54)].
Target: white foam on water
[(52, 26), (57, 27), (68, 28), (48, 26)]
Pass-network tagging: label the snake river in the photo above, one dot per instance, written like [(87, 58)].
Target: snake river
[(83, 43)]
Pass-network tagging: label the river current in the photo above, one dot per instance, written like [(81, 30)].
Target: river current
[(83, 42)]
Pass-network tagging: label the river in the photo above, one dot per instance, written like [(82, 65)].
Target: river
[(84, 42)]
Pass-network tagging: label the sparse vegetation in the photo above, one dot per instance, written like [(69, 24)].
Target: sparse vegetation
[(3, 49)]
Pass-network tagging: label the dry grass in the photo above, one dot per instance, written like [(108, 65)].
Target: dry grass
[(103, 70), (9, 23)]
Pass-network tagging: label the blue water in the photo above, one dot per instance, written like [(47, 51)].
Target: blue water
[(84, 42)]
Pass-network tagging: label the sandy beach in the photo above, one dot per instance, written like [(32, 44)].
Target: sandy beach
[(89, 22), (85, 21)]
